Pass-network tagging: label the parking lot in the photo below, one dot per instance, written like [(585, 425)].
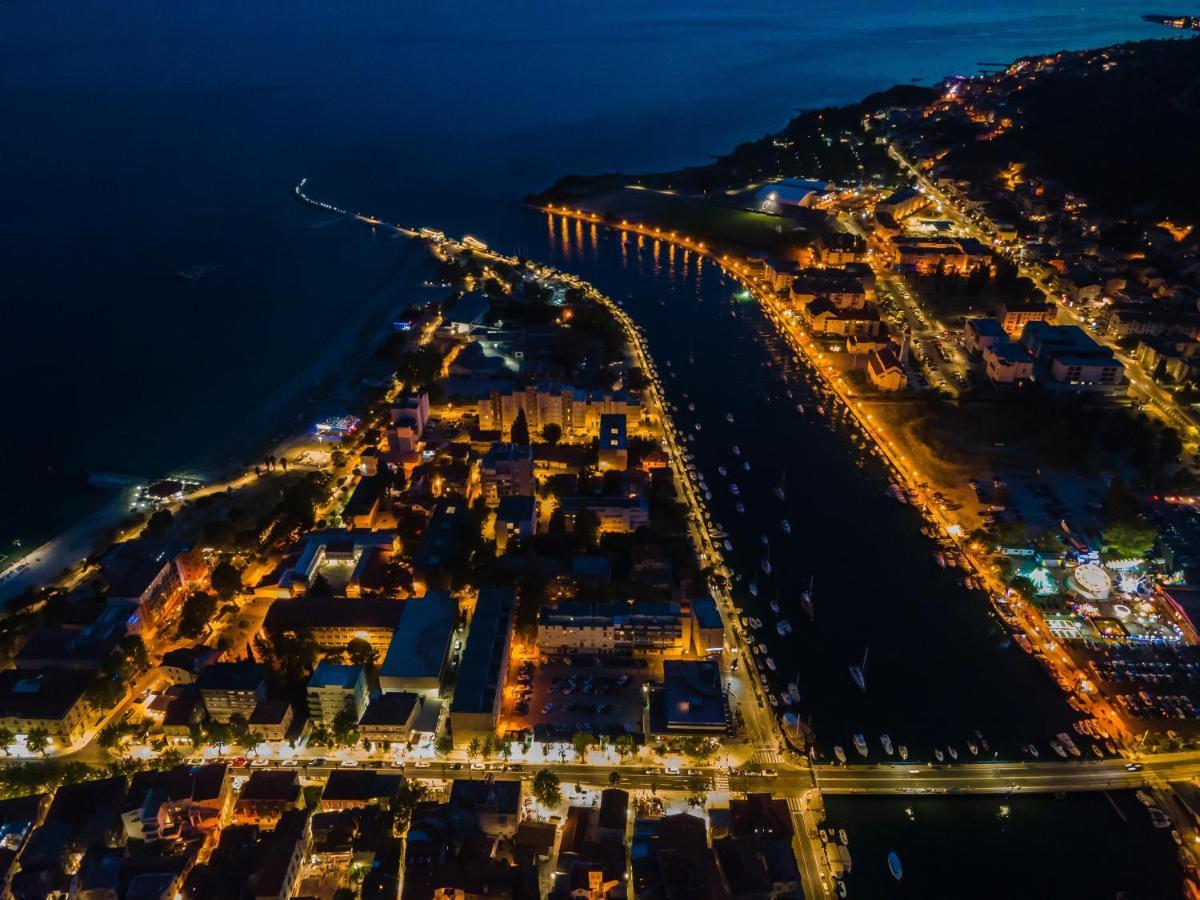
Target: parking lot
[(562, 695)]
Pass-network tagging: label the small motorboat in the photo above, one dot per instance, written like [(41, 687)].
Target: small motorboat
[(953, 753), (783, 627), (746, 464), (903, 751), (894, 866), (842, 837), (722, 471), (887, 744), (729, 418), (860, 744), (740, 506), (770, 664), (1058, 748), (737, 451), (753, 589), (734, 489), (775, 606), (840, 754), (973, 747), (1033, 751), (937, 752), (786, 526)]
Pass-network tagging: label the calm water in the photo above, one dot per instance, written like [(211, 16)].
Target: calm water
[(147, 138), (966, 847)]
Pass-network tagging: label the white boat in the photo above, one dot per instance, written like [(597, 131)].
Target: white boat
[(737, 451), (903, 751), (770, 664), (859, 673), (953, 753), (721, 470), (746, 464), (1144, 798), (740, 506), (937, 752), (1033, 751), (887, 744), (780, 491), (784, 698), (757, 623), (800, 408), (729, 418), (775, 607), (753, 589), (697, 426), (806, 599), (860, 744), (840, 754), (734, 489), (820, 410), (783, 627), (762, 648), (1058, 748), (766, 565), (726, 544), (973, 747), (842, 836), (786, 526), (894, 866), (841, 889), (774, 702), (794, 691), (691, 407)]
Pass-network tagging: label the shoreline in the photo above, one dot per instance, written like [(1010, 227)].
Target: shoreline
[(327, 383)]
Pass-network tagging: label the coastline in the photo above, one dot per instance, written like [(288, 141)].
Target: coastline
[(329, 383)]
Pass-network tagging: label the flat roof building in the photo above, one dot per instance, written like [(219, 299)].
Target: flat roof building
[(416, 657), (484, 664)]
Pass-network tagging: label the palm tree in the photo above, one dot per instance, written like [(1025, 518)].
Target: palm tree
[(614, 778)]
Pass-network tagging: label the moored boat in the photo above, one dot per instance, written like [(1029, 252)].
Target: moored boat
[(887, 744), (903, 751), (860, 744), (840, 754), (894, 866)]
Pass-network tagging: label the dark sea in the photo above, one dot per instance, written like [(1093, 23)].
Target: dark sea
[(145, 139)]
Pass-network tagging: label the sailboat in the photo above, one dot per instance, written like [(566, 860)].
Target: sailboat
[(859, 673), (779, 489), (806, 600)]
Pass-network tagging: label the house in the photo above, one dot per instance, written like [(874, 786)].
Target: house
[(885, 370), (266, 796), (614, 443), (616, 627), (690, 700), (466, 313), (334, 622), (182, 802), (516, 520), (823, 317), (184, 664), (620, 515), (357, 788), (389, 718), (1067, 361), (1007, 362), (228, 689), (271, 720), (150, 575), (902, 203), (334, 689), (839, 287), (52, 699), (979, 334), (489, 805), (838, 248), (367, 507), (1013, 317), (506, 469), (440, 547)]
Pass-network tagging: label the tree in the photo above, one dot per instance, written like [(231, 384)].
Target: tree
[(1132, 539), (345, 728), (1024, 588), (226, 580), (520, 430), (361, 653), (546, 788), (198, 610), (405, 800), (474, 748), (294, 653), (444, 745), (551, 433), (239, 730), (623, 745), (6, 738), (104, 692), (614, 778), (159, 525), (582, 742), (38, 739)]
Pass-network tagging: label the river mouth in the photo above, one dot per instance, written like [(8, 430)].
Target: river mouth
[(941, 671)]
